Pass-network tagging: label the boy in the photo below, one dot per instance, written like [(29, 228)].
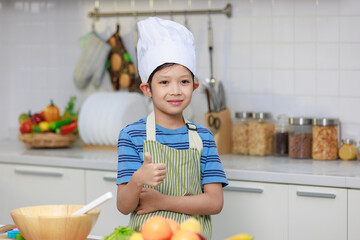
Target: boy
[(167, 165)]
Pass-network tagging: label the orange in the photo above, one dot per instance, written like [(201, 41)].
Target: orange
[(174, 225), (156, 228), (185, 235)]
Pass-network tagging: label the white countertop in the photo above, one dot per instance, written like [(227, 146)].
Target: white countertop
[(334, 173)]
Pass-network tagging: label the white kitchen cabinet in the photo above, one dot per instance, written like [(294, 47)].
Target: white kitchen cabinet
[(353, 214), (23, 186), (98, 183), (317, 213), (259, 209)]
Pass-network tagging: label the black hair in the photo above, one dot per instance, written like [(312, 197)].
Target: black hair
[(162, 66)]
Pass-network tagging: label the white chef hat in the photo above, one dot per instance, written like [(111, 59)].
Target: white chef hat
[(164, 41)]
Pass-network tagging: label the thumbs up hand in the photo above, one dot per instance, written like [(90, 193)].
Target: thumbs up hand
[(152, 174)]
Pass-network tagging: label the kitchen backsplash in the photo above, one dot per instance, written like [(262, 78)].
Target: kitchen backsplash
[(281, 56)]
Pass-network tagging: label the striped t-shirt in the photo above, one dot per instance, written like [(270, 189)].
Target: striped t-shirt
[(130, 150)]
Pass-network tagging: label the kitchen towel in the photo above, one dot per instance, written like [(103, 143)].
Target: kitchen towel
[(91, 64)]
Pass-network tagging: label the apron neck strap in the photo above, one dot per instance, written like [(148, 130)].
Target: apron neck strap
[(194, 138)]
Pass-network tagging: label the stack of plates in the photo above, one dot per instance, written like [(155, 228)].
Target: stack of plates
[(103, 115)]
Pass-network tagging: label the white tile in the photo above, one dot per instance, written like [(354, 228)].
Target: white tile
[(327, 107), (349, 56), (283, 82), (262, 8), (327, 83), (283, 55), (240, 30), (348, 108), (350, 83), (240, 81), (348, 32), (304, 106), (305, 83), (262, 81), (350, 130), (328, 7), (262, 55), (305, 55), (241, 8), (261, 29), (253, 103), (328, 56), (349, 7), (240, 56), (305, 7), (283, 8), (283, 105), (328, 29), (283, 29), (305, 29)]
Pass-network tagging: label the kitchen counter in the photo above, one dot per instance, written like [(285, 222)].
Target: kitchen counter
[(334, 173)]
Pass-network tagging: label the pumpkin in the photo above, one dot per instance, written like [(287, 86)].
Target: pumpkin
[(51, 113)]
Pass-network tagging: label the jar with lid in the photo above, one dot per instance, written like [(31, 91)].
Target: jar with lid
[(240, 133), (348, 150), (358, 152), (281, 137), (300, 137), (261, 134), (325, 139)]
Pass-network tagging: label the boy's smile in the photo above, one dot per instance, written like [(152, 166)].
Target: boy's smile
[(171, 90)]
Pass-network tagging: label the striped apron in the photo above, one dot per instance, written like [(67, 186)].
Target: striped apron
[(183, 177)]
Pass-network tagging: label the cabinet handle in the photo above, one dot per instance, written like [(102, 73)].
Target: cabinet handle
[(109, 178), (244, 189), (315, 194), (38, 172)]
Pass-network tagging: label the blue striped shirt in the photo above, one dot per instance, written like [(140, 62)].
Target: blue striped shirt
[(130, 150)]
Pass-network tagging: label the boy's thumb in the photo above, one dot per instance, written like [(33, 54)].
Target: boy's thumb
[(148, 158)]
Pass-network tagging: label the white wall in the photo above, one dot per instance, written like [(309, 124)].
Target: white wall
[(281, 56)]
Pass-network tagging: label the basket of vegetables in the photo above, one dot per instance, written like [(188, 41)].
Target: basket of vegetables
[(48, 128)]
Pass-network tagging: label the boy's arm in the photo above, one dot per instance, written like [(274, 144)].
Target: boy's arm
[(128, 194), (208, 203)]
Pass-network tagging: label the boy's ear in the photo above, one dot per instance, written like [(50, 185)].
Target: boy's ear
[(145, 88), (196, 85)]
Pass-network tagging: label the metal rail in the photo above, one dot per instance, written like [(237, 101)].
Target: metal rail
[(95, 14)]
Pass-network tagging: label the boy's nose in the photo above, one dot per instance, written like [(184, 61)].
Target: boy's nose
[(175, 89)]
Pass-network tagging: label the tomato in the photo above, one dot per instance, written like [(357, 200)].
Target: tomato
[(26, 127)]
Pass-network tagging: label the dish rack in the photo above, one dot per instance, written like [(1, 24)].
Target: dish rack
[(47, 140)]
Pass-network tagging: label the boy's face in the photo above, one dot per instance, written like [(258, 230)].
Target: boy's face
[(171, 89)]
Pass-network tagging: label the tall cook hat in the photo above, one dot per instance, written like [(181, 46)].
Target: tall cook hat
[(164, 41)]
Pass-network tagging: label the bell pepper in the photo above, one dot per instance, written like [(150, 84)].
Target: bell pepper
[(52, 112), (44, 126), (69, 128)]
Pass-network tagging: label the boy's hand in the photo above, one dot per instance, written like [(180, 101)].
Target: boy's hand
[(151, 174), (149, 201)]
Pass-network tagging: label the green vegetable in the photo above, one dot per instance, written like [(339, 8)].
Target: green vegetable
[(36, 129), (120, 233), (19, 237), (69, 112), (55, 125)]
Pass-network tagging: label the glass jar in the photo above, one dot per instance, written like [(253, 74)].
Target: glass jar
[(348, 150), (300, 138), (358, 152), (325, 139), (281, 136), (240, 133), (261, 134)]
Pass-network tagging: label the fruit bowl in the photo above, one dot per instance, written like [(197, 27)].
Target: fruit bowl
[(47, 140), (54, 222)]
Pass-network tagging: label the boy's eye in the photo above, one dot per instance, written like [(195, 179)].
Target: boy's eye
[(163, 82), (185, 81)]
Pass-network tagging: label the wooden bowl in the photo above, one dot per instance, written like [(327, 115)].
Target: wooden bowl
[(54, 222)]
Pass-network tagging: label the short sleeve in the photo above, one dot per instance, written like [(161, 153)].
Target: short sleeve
[(129, 159), (212, 169)]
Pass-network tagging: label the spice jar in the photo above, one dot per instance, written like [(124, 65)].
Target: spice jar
[(300, 137), (281, 137), (347, 151), (240, 133), (261, 134), (325, 139)]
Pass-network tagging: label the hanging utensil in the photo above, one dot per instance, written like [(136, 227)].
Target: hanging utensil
[(100, 200)]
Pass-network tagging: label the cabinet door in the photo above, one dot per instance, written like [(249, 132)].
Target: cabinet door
[(98, 183), (353, 214), (22, 186), (317, 213), (259, 209)]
